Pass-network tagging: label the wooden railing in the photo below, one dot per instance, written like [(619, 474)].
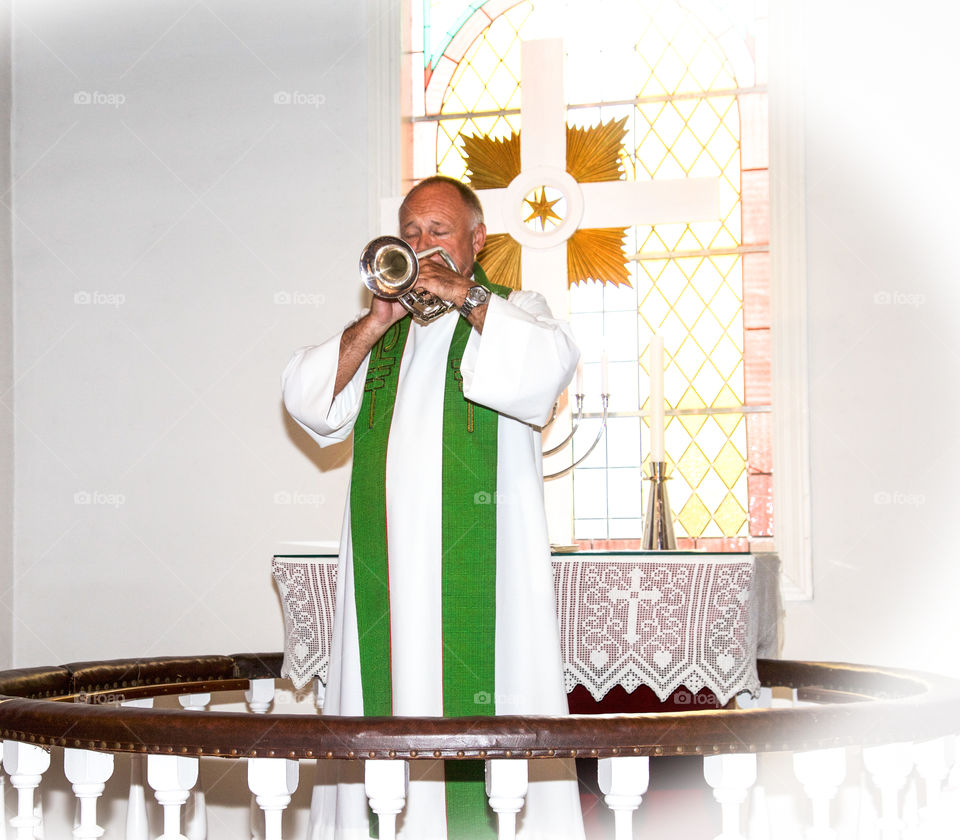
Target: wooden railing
[(900, 724)]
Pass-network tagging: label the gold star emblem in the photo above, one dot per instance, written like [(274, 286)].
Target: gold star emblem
[(541, 208), (593, 154)]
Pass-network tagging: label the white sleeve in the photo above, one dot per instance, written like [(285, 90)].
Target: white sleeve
[(308, 382), (523, 359)]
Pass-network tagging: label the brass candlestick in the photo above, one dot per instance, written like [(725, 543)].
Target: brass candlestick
[(658, 524)]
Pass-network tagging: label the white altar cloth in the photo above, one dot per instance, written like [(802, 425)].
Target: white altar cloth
[(663, 620)]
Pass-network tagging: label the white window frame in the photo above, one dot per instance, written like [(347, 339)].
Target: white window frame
[(791, 461)]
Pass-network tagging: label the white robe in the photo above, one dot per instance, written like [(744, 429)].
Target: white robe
[(517, 367)]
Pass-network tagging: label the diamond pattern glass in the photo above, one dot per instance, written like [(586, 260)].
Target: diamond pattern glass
[(486, 79), (687, 280)]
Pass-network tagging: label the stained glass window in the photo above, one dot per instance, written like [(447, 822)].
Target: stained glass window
[(691, 81)]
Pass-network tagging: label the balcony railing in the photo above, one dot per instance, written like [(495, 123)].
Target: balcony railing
[(898, 725)]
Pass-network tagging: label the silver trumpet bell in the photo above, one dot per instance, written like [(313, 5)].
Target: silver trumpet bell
[(389, 268)]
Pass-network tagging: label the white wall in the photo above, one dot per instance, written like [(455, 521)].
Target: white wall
[(159, 231), (202, 202), (882, 178), (6, 356)]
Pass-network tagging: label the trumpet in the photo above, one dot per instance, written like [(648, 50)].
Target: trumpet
[(389, 268)]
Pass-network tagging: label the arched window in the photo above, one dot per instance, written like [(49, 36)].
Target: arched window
[(690, 79)]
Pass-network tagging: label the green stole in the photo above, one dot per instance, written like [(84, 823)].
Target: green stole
[(469, 556)]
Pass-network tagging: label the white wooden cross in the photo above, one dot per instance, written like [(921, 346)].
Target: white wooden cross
[(634, 595), (543, 162)]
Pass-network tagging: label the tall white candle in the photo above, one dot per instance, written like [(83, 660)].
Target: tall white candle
[(579, 377), (604, 389), (657, 421)]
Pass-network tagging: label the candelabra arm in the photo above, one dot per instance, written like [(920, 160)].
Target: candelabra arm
[(573, 431), (605, 399)]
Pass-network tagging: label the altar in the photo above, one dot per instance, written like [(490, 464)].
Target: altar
[(683, 627)]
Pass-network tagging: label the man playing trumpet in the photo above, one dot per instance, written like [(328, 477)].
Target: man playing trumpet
[(445, 605)]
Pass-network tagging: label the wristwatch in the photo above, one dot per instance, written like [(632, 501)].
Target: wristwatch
[(476, 296)]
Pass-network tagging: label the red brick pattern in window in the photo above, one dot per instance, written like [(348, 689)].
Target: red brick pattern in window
[(756, 367), (755, 204)]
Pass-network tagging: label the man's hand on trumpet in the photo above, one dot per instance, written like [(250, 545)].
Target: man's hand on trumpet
[(440, 280), (384, 313)]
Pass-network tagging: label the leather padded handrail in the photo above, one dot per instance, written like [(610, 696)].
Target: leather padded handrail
[(36, 708)]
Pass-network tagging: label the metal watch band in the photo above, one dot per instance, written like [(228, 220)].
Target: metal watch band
[(476, 295)]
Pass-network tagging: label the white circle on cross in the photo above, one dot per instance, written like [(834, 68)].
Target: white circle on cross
[(534, 178)]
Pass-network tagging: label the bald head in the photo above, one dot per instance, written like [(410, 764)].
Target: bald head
[(470, 199)]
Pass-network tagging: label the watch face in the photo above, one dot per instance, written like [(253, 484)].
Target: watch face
[(477, 295)]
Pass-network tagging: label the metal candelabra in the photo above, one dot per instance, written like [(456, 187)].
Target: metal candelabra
[(605, 400), (658, 524)]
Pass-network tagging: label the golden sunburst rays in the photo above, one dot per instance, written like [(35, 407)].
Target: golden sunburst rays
[(597, 254), (491, 164), (593, 154), (500, 259)]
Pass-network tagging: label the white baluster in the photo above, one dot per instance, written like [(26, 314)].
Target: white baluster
[(506, 783), (949, 807), (953, 748), (868, 817), (385, 783), (3, 800), (195, 702), (40, 831), (88, 772), (258, 829), (195, 812), (259, 696), (272, 781), (195, 815), (933, 759), (172, 777), (910, 809), (730, 776), (889, 766), (623, 781), (758, 815), (137, 825), (25, 764), (821, 772)]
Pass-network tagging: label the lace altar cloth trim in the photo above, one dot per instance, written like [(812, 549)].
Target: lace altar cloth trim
[(659, 623), (308, 591), (663, 624)]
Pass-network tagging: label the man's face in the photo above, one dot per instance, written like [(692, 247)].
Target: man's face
[(436, 216)]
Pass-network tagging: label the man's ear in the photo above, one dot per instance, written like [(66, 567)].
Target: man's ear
[(479, 238)]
